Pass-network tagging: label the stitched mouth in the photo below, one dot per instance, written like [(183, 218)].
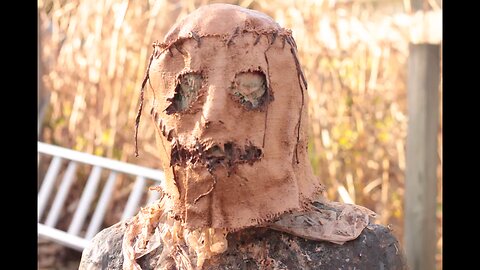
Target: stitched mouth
[(226, 154)]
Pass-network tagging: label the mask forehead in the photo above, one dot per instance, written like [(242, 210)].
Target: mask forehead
[(214, 58)]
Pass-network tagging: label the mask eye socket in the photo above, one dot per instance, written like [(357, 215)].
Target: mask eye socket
[(186, 92), (250, 89)]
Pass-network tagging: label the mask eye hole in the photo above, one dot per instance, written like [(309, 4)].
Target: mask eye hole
[(250, 89), (186, 92)]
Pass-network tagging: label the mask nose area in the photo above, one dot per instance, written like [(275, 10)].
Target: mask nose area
[(215, 113), (214, 109)]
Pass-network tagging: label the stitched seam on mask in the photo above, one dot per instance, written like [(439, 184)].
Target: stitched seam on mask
[(208, 191), (301, 78), (269, 85), (142, 91), (235, 34), (165, 46), (269, 94)]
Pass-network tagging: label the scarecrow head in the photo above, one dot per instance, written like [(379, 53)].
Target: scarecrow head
[(229, 101)]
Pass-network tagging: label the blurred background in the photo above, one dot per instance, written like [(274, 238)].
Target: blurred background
[(93, 56)]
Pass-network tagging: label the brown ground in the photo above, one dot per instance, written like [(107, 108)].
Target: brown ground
[(55, 256)]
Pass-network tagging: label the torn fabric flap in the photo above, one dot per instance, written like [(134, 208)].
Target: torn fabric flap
[(327, 221)]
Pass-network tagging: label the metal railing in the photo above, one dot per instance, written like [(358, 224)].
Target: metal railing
[(75, 237)]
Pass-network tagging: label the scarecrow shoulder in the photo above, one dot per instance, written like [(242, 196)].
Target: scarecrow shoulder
[(260, 248), (105, 249), (263, 248)]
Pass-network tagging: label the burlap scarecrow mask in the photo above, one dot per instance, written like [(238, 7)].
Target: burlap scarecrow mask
[(229, 101)]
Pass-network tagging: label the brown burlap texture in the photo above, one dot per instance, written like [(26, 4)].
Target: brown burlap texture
[(229, 100)]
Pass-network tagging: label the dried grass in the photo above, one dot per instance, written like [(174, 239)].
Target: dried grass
[(354, 53)]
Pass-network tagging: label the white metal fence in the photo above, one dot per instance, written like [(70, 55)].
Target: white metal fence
[(61, 176)]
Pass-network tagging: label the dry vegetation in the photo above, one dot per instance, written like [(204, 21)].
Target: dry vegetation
[(354, 53)]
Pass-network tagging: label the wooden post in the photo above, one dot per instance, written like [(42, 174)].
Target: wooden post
[(421, 180)]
